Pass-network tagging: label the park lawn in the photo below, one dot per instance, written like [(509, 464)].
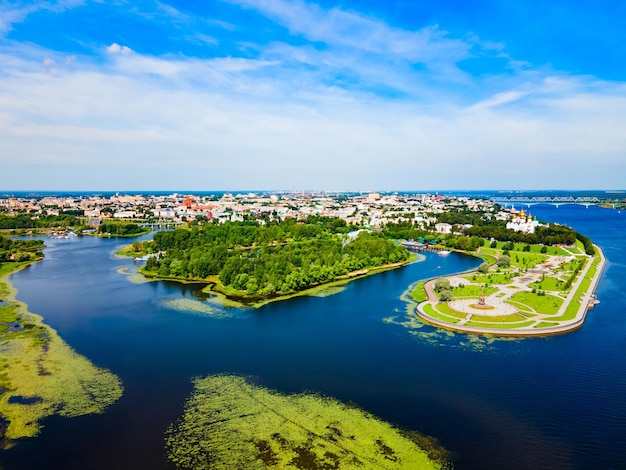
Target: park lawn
[(471, 290), (549, 283), (546, 324), (418, 293), (514, 317), (546, 304), (550, 250), (499, 326), (526, 260), (492, 278), (493, 252), (430, 310), (572, 309), (519, 247), (520, 306), (444, 308)]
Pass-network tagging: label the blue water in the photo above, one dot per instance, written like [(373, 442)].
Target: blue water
[(554, 403)]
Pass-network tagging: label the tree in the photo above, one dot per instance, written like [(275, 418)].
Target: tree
[(483, 268), (442, 284), (504, 261), (445, 295)]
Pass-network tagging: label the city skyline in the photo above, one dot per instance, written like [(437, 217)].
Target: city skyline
[(272, 94)]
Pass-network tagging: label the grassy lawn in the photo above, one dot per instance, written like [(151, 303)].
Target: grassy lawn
[(546, 324), (521, 307), (428, 309), (501, 318), (549, 283), (470, 290), (495, 278), (551, 250), (499, 326), (526, 260), (447, 310), (546, 304), (575, 304)]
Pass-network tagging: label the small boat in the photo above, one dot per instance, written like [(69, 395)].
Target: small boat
[(444, 252)]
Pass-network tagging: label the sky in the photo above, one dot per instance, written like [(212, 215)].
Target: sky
[(298, 95)]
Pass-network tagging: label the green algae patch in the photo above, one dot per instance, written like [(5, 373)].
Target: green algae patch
[(40, 375), (196, 306), (229, 423)]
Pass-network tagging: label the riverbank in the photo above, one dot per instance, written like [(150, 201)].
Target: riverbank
[(521, 302)]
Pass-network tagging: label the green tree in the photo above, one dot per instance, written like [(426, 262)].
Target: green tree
[(504, 261)]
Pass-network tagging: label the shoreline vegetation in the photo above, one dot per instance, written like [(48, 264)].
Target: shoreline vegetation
[(40, 375)]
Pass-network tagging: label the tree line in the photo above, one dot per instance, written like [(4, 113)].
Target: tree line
[(22, 221)]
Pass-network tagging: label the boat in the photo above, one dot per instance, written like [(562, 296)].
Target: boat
[(444, 252)]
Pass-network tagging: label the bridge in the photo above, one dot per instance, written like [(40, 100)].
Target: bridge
[(556, 201), (161, 225)]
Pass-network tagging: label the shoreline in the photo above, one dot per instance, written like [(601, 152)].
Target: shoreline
[(587, 302)]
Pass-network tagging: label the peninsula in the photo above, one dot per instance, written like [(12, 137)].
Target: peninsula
[(258, 260), (529, 290)]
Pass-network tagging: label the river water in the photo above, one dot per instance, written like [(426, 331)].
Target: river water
[(556, 402)]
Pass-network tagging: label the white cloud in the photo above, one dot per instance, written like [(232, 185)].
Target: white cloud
[(115, 48), (219, 137), (366, 110), (337, 27), (501, 98)]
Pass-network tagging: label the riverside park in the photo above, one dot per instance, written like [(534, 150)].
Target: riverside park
[(520, 290)]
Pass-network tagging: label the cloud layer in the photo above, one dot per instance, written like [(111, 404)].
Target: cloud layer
[(324, 99)]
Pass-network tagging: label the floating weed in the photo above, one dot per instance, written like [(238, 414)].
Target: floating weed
[(196, 306), (325, 291), (133, 276), (51, 377), (229, 423)]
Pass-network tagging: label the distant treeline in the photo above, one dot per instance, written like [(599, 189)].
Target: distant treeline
[(21, 221), (120, 228), (253, 260)]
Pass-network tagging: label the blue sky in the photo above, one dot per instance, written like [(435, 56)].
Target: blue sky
[(275, 94)]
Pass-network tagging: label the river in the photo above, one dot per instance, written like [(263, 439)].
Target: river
[(557, 402)]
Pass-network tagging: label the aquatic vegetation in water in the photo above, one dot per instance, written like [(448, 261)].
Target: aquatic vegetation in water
[(40, 375), (325, 291), (133, 276), (438, 336), (196, 306), (229, 423)]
